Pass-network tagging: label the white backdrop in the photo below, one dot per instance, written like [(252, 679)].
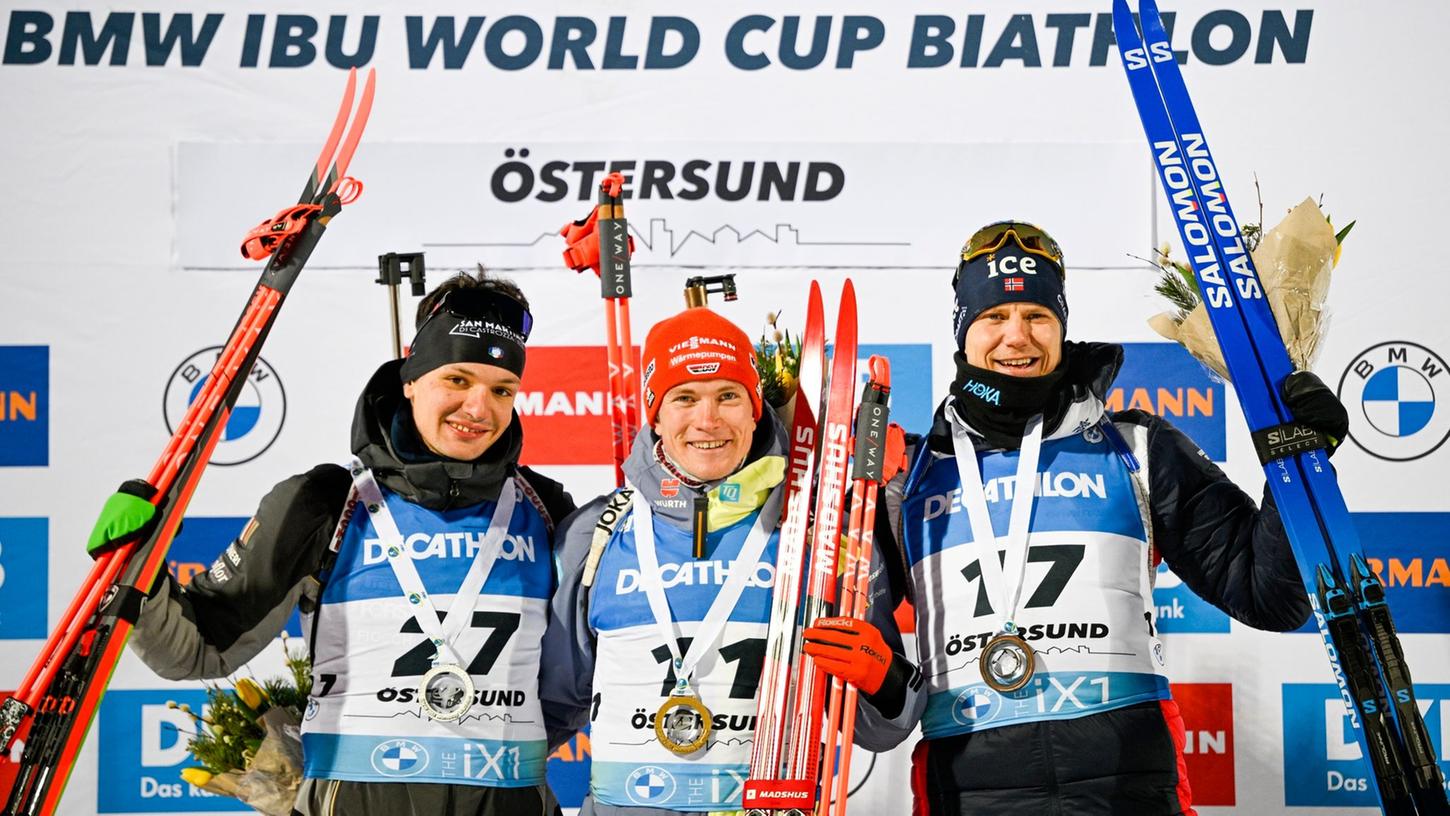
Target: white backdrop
[(129, 179)]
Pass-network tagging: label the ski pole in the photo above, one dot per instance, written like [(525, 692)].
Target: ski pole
[(601, 241)]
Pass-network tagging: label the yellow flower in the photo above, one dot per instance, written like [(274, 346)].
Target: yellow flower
[(250, 693), (197, 777)]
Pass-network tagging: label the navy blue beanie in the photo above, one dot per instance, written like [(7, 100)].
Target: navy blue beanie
[(1008, 275)]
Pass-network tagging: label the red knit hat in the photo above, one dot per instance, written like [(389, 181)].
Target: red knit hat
[(696, 344)]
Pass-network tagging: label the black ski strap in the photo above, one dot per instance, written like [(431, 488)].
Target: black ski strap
[(1282, 441)]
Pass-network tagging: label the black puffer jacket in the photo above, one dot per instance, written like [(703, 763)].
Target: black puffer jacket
[(1229, 551)]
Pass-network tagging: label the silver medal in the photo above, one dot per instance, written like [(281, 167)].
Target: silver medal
[(446, 692)]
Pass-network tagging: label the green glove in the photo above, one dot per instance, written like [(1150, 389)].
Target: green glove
[(127, 512)]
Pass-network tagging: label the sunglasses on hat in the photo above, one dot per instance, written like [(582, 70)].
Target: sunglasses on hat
[(994, 236), (483, 304)]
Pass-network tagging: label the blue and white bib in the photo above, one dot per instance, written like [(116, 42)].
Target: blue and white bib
[(1086, 604), (633, 675), (363, 721)]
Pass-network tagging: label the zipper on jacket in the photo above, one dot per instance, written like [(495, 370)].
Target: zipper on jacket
[(699, 526)]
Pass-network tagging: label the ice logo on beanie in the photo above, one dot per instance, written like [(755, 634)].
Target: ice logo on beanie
[(699, 369), (982, 391)]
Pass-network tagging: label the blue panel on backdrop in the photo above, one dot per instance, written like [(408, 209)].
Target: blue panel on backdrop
[(24, 405), (144, 750), (1163, 379), (569, 770), (1323, 764), (1410, 552), (24, 577), (912, 398)]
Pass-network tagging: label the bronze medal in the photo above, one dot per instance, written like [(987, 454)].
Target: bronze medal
[(1007, 663)]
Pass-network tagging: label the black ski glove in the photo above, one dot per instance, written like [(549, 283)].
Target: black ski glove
[(1313, 404)]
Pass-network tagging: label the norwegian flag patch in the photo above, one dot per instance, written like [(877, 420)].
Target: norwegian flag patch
[(1013, 285)]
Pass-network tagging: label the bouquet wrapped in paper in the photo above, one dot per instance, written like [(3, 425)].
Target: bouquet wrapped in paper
[(249, 739), (1293, 260)]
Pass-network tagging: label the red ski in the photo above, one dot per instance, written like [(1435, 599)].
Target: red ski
[(59, 695), (766, 767), (785, 761)]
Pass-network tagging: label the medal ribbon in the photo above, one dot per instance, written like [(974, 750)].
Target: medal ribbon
[(461, 612), (741, 568), (1004, 596)]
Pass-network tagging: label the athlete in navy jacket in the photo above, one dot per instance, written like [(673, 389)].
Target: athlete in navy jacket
[(1042, 687)]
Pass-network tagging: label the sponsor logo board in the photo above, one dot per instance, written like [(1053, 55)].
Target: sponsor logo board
[(1408, 551), (1163, 379), (1323, 763), (1391, 391), (256, 419), (912, 399), (24, 577), (145, 750), (24, 405), (1208, 746), (569, 770), (1179, 610)]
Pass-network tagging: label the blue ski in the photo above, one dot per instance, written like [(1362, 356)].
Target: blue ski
[(1349, 610)]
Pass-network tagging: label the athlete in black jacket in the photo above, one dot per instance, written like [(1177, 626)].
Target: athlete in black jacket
[(1042, 686), (438, 432)]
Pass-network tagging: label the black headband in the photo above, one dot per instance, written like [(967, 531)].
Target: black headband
[(447, 337)]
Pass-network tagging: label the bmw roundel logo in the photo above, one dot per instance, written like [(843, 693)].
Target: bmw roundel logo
[(650, 785), (399, 757), (256, 419), (1391, 392), (976, 704)]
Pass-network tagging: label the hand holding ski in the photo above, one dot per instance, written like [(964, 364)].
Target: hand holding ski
[(65, 684), (1349, 609)]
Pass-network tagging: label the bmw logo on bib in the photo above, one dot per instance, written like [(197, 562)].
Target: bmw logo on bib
[(399, 757), (1390, 392), (975, 705), (649, 785)]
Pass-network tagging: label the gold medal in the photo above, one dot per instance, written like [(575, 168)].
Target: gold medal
[(1007, 663), (446, 692), (682, 723)]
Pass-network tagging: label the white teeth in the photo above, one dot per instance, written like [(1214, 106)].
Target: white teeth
[(708, 445), (462, 429)]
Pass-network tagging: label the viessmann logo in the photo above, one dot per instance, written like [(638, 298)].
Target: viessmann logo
[(564, 401), (1163, 379), (1407, 552)]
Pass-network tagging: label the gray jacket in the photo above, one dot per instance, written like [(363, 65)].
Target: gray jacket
[(567, 679)]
